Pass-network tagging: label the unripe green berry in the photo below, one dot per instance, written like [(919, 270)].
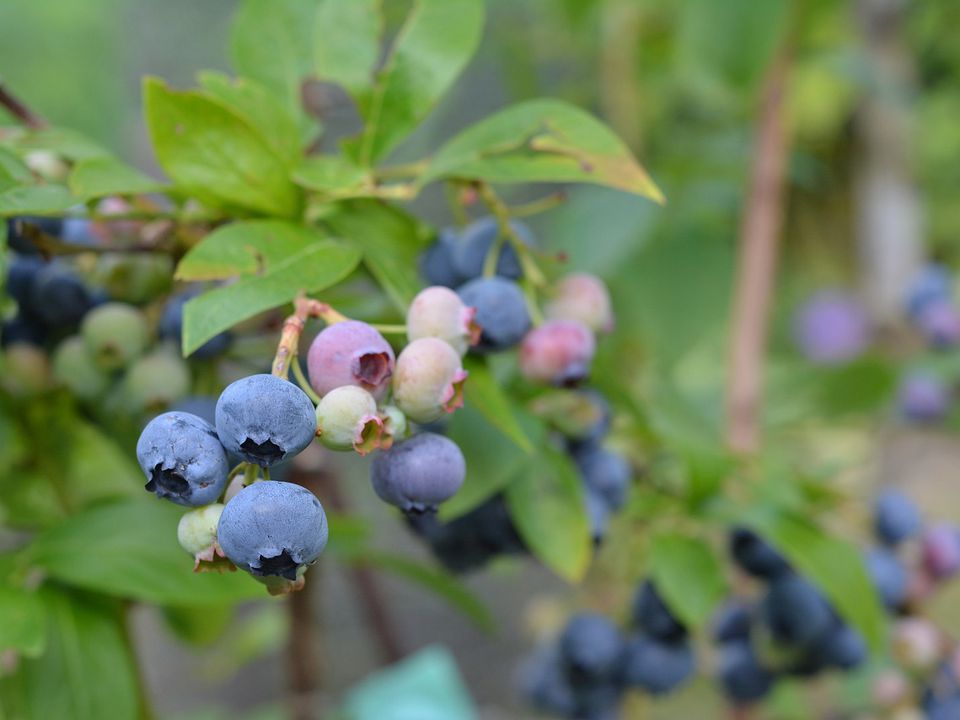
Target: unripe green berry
[(439, 312), (428, 380), (197, 533), (347, 419), (155, 381), (74, 368), (116, 334), (394, 425), (25, 370)]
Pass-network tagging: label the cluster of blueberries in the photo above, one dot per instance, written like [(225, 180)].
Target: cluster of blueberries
[(101, 345), (557, 353), (585, 672)]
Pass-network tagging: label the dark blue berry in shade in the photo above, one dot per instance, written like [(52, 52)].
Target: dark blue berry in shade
[(418, 474), (742, 677), (436, 263), (265, 419), (653, 617), (656, 666), (933, 284), (831, 328), (598, 700), (171, 328), (795, 611), (604, 472), (544, 683), (895, 517), (21, 274), (58, 296), (18, 238), (78, 231), (732, 622), (943, 708), (591, 646), (598, 515), (842, 647), (23, 328), (755, 555), (273, 528), (923, 397), (475, 243), (501, 312), (889, 577), (183, 459)]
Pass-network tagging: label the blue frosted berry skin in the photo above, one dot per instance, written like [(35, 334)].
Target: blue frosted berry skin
[(436, 263), (418, 474), (598, 515), (604, 472), (933, 284), (796, 612), (265, 419), (652, 616), (183, 460), (755, 555), (889, 577), (273, 529), (656, 666), (58, 296), (923, 396), (544, 683), (732, 622), (501, 312), (740, 674), (21, 273), (832, 328), (470, 252), (591, 646), (895, 517)]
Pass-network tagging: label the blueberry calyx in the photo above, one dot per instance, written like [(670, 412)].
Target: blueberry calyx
[(267, 452), (372, 368), (168, 483), (281, 565)]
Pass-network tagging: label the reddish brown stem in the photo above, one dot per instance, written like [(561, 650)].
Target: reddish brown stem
[(303, 309), (19, 110), (759, 236)]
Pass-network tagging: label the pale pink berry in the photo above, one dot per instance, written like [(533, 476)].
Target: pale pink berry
[(439, 312), (350, 353), (558, 352), (428, 381), (916, 643), (347, 419), (582, 297)]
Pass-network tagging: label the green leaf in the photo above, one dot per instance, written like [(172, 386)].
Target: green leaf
[(245, 248), (214, 154), (199, 625), (23, 628), (542, 141), (439, 582), (36, 200), (271, 42), (86, 672), (97, 469), (833, 564), (148, 565), (492, 460), (70, 144), (102, 176), (347, 43), (688, 575), (12, 170), (434, 45), (334, 176), (485, 393), (391, 245), (259, 108), (314, 268), (546, 503)]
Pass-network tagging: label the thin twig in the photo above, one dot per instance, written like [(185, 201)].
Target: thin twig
[(535, 207), (760, 232), (19, 109), (304, 308)]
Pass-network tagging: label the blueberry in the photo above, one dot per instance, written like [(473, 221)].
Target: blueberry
[(732, 622), (428, 381), (439, 312), (583, 416), (116, 334), (598, 515), (58, 296), (135, 277), (273, 529), (544, 683), (558, 352), (347, 419), (795, 611), (170, 327), (653, 617), (939, 322), (656, 666), (23, 328), (155, 381), (436, 263), (75, 368), (418, 474), (604, 472), (743, 679), (475, 241), (598, 700), (895, 517), (24, 370), (265, 419), (941, 551), (350, 353), (842, 647), (946, 708), (591, 647), (889, 576), (21, 275), (501, 312), (197, 533), (923, 397), (933, 284), (79, 231), (584, 298), (756, 556), (183, 459), (831, 328)]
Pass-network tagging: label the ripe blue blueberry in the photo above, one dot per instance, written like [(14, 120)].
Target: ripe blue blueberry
[(23, 328), (21, 275), (418, 474), (656, 666), (273, 529), (653, 617), (265, 419), (58, 296), (831, 328), (889, 576), (939, 322), (183, 460), (591, 647), (895, 517), (436, 264), (501, 312), (544, 683), (19, 240), (755, 555), (743, 679), (604, 472), (170, 327), (923, 396), (933, 284), (732, 622), (79, 231), (842, 647), (598, 515), (470, 251), (796, 612)]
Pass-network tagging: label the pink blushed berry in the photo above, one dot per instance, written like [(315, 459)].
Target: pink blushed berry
[(582, 297), (557, 352), (428, 381), (350, 353), (439, 312)]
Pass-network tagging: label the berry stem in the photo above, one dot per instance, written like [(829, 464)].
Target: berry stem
[(19, 110), (303, 309), (303, 382), (241, 468), (535, 207), (388, 329)]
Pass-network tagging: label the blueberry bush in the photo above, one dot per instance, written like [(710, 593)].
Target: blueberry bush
[(275, 293)]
